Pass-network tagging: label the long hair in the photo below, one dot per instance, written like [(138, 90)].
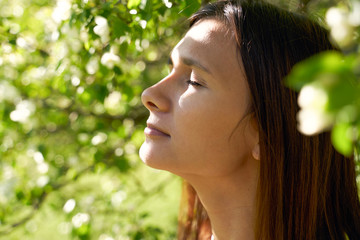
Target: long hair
[(306, 189)]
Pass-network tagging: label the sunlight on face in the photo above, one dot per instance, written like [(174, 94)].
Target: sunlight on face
[(199, 122)]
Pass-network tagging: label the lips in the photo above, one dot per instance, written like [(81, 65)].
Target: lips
[(154, 131)]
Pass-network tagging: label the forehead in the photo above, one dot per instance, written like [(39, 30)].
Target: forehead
[(210, 42), (207, 33)]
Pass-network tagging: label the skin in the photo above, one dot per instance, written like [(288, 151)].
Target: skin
[(204, 131)]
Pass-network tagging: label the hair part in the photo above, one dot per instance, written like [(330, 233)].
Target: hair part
[(306, 189)]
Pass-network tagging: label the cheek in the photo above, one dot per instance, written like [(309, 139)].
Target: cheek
[(204, 135), (199, 117), (203, 114)]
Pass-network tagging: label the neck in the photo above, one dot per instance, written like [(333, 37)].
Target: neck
[(237, 224), (230, 202)]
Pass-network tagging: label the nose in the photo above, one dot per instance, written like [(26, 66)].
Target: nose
[(155, 98)]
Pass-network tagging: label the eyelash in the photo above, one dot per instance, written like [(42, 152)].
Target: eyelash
[(193, 83)]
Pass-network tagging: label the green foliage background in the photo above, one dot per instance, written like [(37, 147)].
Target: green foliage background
[(71, 119)]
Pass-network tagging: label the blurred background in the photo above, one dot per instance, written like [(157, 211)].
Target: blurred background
[(71, 119)]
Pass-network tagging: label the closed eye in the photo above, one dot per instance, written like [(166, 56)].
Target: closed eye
[(193, 83)]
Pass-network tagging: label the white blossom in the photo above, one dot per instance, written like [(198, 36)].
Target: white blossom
[(75, 81), (99, 138), (38, 157), (18, 10), (312, 117), (119, 152), (341, 29), (167, 3), (113, 100), (42, 181), (105, 237), (61, 11), (69, 205), (102, 28), (109, 59), (8, 92), (143, 24), (354, 16), (133, 11), (312, 96), (43, 167), (22, 112), (79, 219), (92, 66), (312, 121)]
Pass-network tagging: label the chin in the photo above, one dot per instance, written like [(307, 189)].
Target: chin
[(162, 158), (152, 157)]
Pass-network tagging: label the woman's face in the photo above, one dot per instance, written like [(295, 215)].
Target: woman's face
[(199, 121)]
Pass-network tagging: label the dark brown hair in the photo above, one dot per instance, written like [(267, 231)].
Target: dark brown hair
[(306, 189)]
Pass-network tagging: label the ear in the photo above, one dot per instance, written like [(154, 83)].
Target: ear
[(256, 152), (254, 136)]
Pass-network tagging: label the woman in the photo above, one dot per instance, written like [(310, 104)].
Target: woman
[(224, 121)]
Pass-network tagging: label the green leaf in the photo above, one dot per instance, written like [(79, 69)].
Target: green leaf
[(148, 11), (341, 94), (117, 70), (99, 156), (341, 138), (99, 91), (119, 27), (133, 4), (190, 6), (122, 164), (330, 62)]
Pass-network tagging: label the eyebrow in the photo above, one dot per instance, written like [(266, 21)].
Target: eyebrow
[(191, 63)]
